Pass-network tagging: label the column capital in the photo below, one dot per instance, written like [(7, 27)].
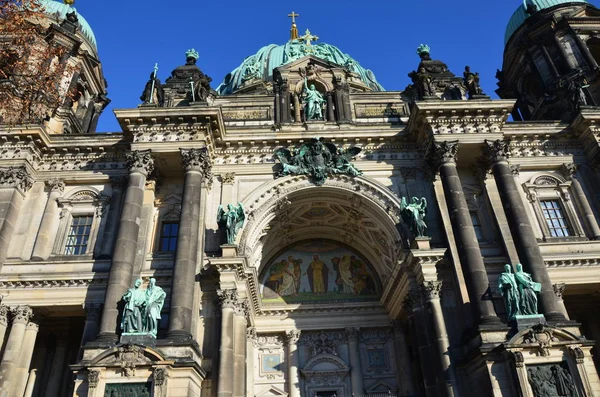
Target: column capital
[(352, 333), (16, 177), (442, 153), (569, 170), (559, 290), (228, 178), (431, 289), (56, 185), (93, 378), (251, 334), (228, 298), (4, 314), (495, 151), (140, 161), (197, 160), (292, 336), (515, 169), (22, 314)]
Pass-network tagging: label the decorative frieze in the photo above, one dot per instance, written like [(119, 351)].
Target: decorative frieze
[(16, 177), (70, 283), (323, 342), (140, 161)]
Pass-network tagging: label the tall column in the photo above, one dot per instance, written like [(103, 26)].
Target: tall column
[(57, 369), (420, 329), (197, 166), (91, 326), (140, 164), (229, 300), (297, 115), (443, 157), (112, 222), (20, 317), (406, 385), (330, 113), (570, 170), (291, 339), (431, 291), (48, 227), (3, 323), (251, 339), (559, 290), (520, 225), (356, 375), (14, 183), (239, 350), (21, 373), (30, 383)]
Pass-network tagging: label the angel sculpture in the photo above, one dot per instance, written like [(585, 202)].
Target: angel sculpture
[(232, 220), (413, 215), (342, 161)]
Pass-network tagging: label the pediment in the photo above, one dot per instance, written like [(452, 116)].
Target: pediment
[(271, 391), (303, 62), (129, 353), (381, 387)]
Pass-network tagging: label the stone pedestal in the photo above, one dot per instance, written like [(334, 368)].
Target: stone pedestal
[(229, 250), (524, 322), (138, 339), (421, 243)]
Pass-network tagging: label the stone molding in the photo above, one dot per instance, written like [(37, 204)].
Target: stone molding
[(21, 314), (56, 185), (442, 153), (159, 375), (45, 283), (140, 161), (16, 177)]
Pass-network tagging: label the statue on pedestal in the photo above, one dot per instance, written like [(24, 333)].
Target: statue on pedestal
[(422, 81), (133, 313), (313, 102), (155, 299), (510, 291), (413, 215), (154, 93), (528, 290), (232, 220), (472, 82)]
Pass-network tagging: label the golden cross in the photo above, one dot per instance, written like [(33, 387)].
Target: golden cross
[(293, 15)]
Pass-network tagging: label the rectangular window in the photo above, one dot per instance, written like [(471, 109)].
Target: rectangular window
[(555, 218), (168, 236), (79, 235), (477, 226)]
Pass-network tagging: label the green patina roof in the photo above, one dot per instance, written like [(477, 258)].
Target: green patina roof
[(520, 15), (55, 8), (261, 64)]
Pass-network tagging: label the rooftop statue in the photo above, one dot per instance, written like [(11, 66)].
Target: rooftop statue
[(422, 82), (413, 215), (200, 84), (153, 91), (313, 102), (510, 291), (472, 82), (232, 220), (528, 290), (317, 159)]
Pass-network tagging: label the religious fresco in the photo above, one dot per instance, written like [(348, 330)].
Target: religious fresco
[(318, 271)]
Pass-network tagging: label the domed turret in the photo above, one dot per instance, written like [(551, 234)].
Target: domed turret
[(551, 59), (61, 10), (259, 67)]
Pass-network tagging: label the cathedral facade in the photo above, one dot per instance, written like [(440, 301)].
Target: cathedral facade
[(299, 231)]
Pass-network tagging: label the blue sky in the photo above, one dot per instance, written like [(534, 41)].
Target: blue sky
[(380, 35)]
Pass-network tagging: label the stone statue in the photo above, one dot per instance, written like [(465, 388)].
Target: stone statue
[(153, 92), (155, 299), (313, 102), (577, 95), (317, 158), (472, 82), (551, 381), (232, 220), (413, 215), (133, 313), (528, 290), (510, 291), (422, 82)]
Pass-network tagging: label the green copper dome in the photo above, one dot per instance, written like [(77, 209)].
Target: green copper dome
[(261, 64), (520, 15), (61, 10)]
